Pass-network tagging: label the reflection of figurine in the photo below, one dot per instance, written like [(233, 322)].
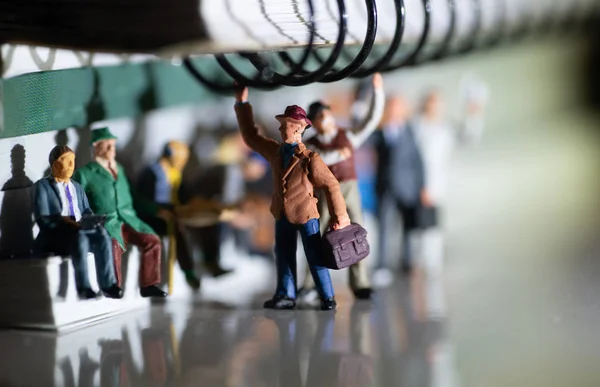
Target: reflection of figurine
[(400, 178), (336, 147), (60, 205), (106, 185), (160, 183), (297, 171)]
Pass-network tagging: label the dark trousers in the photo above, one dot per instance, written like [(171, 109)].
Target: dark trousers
[(150, 251), (77, 244), (387, 206), (209, 240), (286, 239), (184, 255)]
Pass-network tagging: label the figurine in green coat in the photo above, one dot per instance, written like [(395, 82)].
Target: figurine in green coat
[(107, 189)]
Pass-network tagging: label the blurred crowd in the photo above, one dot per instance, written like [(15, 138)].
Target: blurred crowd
[(197, 203)]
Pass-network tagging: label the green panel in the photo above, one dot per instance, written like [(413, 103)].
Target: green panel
[(52, 100)]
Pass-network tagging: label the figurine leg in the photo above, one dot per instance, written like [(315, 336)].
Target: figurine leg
[(409, 225), (309, 283), (79, 250), (100, 245), (383, 227), (117, 253), (311, 239), (150, 251), (286, 239), (184, 257), (357, 273)]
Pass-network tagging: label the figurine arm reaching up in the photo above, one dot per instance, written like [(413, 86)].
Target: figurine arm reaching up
[(364, 129), (243, 110)]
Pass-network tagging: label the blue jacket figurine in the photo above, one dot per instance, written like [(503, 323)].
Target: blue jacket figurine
[(60, 205)]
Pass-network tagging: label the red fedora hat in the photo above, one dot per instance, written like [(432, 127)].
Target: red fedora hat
[(295, 113)]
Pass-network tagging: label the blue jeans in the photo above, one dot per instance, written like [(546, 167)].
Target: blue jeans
[(286, 235)]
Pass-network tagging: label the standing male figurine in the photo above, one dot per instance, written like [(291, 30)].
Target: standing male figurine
[(59, 206), (336, 147), (400, 181), (107, 188), (297, 171)]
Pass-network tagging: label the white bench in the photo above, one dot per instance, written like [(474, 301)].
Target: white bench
[(41, 293)]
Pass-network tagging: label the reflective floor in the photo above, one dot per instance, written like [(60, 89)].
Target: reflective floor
[(209, 344), (513, 302)]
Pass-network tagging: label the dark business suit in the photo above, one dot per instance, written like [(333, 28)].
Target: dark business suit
[(58, 237), (399, 181), (153, 185)]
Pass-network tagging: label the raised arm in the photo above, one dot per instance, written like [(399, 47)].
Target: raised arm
[(359, 134), (243, 110), (333, 156), (469, 129), (322, 178)]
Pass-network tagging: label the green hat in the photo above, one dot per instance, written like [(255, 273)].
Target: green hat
[(101, 134)]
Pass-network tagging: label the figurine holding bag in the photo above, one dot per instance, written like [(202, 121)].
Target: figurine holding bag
[(345, 247)]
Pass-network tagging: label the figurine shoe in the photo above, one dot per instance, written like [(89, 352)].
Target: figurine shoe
[(328, 304), (152, 291), (86, 294), (113, 292), (192, 280), (216, 270), (363, 293), (280, 302)]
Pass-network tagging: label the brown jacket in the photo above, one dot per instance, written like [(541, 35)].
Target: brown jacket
[(293, 193)]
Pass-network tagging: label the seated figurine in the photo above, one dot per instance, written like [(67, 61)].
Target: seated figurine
[(160, 183), (68, 226), (107, 188)]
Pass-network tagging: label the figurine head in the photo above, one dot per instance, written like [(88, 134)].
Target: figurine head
[(62, 162), (177, 154), (321, 117), (396, 110), (293, 123), (104, 143), (432, 107)]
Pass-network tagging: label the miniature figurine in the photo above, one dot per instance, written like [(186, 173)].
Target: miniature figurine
[(297, 171), (437, 137), (160, 183), (107, 188), (400, 180), (336, 147), (62, 213)]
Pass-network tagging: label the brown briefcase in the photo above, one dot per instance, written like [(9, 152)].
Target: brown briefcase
[(345, 247)]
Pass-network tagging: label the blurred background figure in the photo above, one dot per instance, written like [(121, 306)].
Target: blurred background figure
[(160, 182), (221, 181), (437, 137), (256, 218), (400, 184), (336, 146)]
